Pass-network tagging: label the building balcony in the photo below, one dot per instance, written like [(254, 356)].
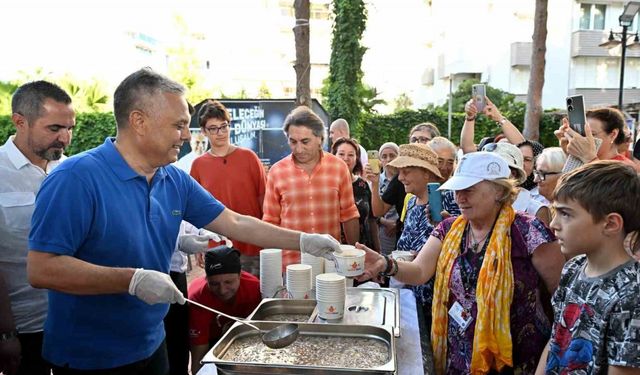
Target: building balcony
[(595, 97), (521, 54), (586, 43)]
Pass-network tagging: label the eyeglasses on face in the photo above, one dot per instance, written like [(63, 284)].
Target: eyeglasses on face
[(419, 139), (542, 175), (216, 130)]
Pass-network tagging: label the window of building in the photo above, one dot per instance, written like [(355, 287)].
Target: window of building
[(592, 16)]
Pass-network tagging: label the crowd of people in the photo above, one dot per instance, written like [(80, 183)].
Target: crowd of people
[(528, 268)]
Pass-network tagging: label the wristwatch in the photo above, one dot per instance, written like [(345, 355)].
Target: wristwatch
[(502, 121), (6, 336)]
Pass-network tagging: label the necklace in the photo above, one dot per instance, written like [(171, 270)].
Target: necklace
[(475, 243), (226, 152)]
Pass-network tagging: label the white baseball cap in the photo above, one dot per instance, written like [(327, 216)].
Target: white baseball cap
[(476, 167)]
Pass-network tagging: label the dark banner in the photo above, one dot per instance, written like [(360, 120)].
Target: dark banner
[(257, 125)]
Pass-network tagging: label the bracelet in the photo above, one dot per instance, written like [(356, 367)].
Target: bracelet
[(388, 267), (469, 119), (392, 267), (395, 268), (7, 336), (502, 121)]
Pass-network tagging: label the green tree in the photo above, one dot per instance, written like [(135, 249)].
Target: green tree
[(264, 92), (6, 91), (343, 87), (184, 64), (502, 99), (402, 102)]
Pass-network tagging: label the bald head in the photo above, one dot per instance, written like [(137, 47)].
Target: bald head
[(338, 129)]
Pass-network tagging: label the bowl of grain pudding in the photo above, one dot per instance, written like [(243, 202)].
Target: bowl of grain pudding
[(349, 262)]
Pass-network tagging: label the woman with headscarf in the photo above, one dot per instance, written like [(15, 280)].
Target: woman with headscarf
[(490, 264)]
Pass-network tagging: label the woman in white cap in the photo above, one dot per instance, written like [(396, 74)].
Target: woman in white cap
[(490, 264), (524, 200)]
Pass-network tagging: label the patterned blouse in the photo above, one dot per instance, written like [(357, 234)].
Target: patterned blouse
[(530, 327), (417, 229)]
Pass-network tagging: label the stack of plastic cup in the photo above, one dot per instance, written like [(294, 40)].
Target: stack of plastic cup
[(299, 280), (331, 292), (316, 263), (270, 272)]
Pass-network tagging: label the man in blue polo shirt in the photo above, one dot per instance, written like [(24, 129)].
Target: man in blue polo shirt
[(105, 226)]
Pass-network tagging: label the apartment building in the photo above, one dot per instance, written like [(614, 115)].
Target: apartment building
[(491, 41)]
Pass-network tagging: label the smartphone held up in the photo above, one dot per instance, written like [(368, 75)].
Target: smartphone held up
[(478, 93), (374, 161), (576, 113)]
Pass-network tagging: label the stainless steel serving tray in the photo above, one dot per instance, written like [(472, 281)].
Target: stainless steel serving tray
[(238, 331), (371, 306), (274, 306)]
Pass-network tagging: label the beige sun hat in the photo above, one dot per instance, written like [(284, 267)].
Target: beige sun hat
[(417, 155)]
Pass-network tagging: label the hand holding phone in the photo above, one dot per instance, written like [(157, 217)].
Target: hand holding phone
[(374, 161), (478, 93), (576, 113)]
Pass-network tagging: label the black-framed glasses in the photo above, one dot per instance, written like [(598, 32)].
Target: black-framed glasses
[(542, 175), (419, 139), (490, 147), (217, 129)]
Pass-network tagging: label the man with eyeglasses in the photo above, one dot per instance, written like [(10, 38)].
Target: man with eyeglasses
[(232, 174)]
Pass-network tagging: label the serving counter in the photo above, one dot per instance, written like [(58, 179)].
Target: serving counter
[(409, 356)]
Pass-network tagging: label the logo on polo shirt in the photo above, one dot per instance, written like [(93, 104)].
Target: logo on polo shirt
[(176, 212)]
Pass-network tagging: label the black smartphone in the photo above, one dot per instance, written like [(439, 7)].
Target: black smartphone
[(478, 93), (575, 109)]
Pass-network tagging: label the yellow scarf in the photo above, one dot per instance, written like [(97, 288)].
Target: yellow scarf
[(494, 293)]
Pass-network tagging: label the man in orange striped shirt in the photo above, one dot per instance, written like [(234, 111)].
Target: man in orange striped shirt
[(310, 190)]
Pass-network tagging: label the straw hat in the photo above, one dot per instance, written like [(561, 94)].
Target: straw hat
[(417, 155)]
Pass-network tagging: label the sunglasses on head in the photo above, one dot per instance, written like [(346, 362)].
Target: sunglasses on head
[(490, 147)]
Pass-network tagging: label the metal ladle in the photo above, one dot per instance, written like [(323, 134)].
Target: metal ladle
[(276, 338)]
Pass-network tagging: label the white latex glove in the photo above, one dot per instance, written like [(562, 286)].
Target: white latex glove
[(320, 245), (154, 287), (216, 237), (195, 243)]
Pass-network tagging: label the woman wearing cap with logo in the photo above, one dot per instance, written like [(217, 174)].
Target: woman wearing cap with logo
[(490, 264)]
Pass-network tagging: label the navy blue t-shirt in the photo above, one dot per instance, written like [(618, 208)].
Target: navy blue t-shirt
[(95, 208)]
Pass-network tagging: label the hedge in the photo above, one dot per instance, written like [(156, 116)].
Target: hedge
[(92, 128), (90, 131), (378, 129)]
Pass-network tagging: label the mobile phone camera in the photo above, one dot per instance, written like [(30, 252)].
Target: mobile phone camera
[(569, 101), (569, 108)]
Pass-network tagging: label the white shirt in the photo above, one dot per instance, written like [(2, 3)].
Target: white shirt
[(179, 259), (364, 158), (525, 203), (20, 181)]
